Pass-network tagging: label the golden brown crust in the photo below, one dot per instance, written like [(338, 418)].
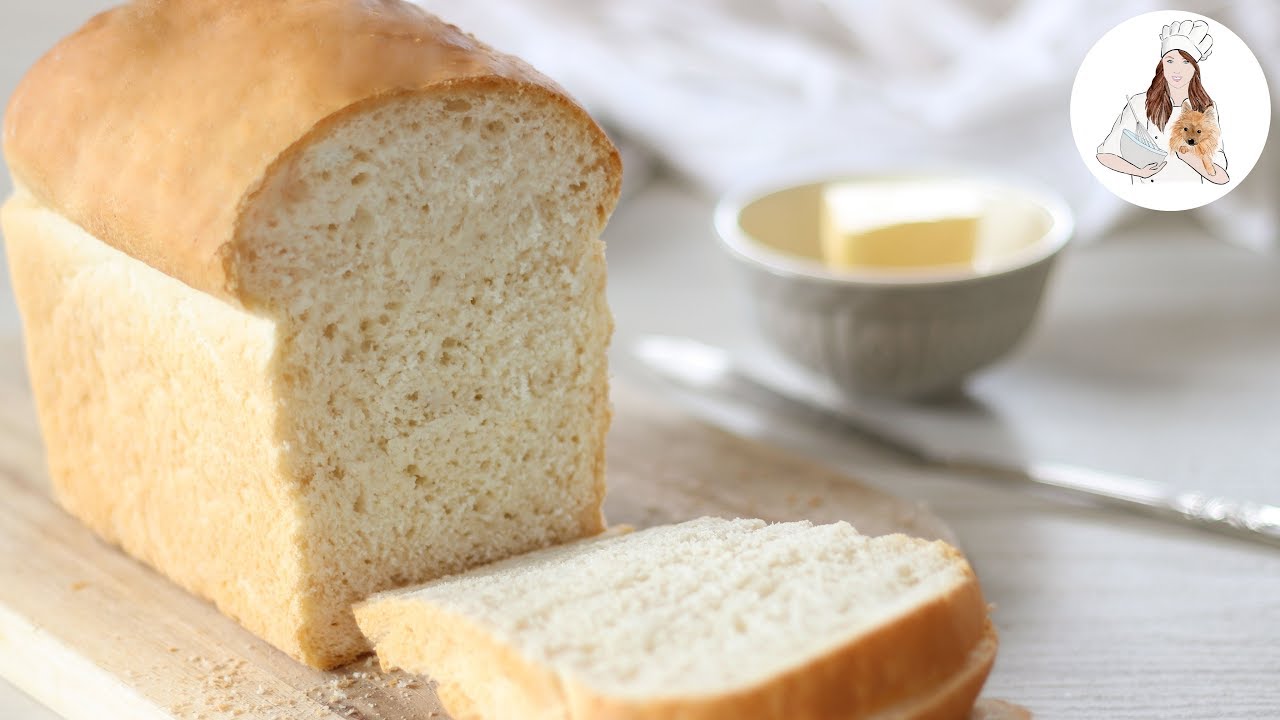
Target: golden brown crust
[(152, 124), (954, 698), (200, 495)]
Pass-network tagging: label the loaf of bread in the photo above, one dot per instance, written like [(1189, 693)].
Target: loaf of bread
[(314, 300), (705, 620)]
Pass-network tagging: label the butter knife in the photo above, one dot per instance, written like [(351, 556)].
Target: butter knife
[(705, 368)]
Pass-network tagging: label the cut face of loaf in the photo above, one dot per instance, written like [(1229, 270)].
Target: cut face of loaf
[(402, 376), (706, 619), (442, 329)]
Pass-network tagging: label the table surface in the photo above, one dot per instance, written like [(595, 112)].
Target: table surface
[(1156, 355)]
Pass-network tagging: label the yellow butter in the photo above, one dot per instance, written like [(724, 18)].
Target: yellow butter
[(899, 224)]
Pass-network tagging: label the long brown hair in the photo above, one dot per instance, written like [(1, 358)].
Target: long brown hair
[(1159, 107)]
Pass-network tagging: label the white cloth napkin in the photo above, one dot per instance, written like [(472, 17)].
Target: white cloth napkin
[(731, 90)]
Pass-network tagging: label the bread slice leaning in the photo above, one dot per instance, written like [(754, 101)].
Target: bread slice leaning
[(706, 619)]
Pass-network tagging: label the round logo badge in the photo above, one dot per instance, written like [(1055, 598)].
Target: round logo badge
[(1170, 110)]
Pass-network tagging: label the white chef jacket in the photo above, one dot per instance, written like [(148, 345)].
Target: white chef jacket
[(1133, 117)]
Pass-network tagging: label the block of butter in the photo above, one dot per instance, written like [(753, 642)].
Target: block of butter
[(899, 224)]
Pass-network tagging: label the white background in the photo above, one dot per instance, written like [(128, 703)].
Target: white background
[(1122, 63)]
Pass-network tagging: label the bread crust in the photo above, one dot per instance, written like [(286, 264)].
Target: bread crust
[(954, 698), (131, 396), (154, 125), (941, 651)]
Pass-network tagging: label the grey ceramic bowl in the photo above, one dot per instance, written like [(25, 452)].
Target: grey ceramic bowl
[(902, 332)]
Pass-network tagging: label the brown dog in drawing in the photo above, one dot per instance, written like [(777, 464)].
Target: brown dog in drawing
[(1196, 132)]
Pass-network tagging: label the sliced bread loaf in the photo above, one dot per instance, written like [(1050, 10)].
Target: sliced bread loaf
[(314, 300), (707, 619)]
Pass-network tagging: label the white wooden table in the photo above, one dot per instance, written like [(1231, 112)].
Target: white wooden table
[(1158, 355)]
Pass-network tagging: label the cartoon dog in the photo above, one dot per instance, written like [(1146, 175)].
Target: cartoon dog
[(1196, 132)]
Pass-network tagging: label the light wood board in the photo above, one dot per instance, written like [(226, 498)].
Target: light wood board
[(94, 634)]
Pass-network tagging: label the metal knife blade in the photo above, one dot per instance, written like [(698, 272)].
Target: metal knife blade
[(705, 368)]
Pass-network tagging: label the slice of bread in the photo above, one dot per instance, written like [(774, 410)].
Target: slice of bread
[(707, 619), (314, 300)]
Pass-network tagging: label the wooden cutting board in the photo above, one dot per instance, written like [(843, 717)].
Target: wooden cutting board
[(93, 634)]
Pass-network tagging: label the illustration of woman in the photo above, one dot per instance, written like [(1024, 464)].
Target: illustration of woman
[(1147, 118)]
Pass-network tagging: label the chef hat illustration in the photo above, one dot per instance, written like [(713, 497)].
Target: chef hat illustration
[(1190, 35)]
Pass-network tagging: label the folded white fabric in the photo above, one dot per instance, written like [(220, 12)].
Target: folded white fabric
[(724, 90)]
